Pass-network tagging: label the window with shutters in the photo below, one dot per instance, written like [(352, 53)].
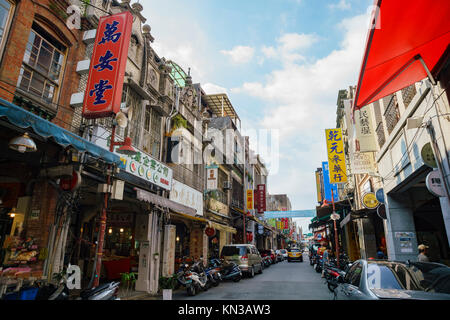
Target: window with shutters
[(391, 113), (42, 65), (379, 124), (152, 132), (408, 94)]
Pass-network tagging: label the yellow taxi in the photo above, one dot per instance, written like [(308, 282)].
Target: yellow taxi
[(295, 254)]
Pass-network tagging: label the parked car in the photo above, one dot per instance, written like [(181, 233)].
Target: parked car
[(271, 253), (279, 255), (295, 255), (246, 256), (381, 279)]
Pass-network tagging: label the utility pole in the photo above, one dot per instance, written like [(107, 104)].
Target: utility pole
[(335, 230)]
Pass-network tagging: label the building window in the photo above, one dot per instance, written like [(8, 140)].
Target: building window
[(408, 94), (152, 133), (6, 9), (131, 99), (42, 65), (391, 114)]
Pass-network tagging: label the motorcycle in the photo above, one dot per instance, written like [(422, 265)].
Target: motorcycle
[(231, 271), (213, 272), (318, 264), (50, 291), (197, 278), (333, 274)]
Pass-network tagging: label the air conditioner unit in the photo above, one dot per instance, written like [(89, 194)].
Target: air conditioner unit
[(227, 185)]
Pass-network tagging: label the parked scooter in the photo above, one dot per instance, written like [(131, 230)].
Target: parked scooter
[(231, 271), (198, 277), (318, 264), (333, 274), (106, 291), (213, 272)]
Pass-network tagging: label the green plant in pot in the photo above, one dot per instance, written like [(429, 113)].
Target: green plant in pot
[(167, 284)]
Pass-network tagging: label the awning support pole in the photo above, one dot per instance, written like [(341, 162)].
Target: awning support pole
[(430, 76)]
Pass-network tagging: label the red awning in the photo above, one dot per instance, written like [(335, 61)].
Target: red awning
[(404, 31)]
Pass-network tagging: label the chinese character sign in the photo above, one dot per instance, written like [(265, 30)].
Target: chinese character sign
[(336, 156), (108, 62), (260, 195), (250, 199)]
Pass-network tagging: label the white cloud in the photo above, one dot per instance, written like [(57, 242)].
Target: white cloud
[(290, 47), (211, 88), (240, 54), (300, 101), (342, 5)]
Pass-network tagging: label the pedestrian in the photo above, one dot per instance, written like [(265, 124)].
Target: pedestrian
[(325, 259), (422, 253)]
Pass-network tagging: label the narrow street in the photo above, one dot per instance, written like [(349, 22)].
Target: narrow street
[(281, 281)]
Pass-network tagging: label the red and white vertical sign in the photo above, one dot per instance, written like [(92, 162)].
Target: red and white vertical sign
[(261, 198), (108, 62)]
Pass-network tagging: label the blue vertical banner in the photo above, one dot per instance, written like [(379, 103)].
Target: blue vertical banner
[(327, 186)]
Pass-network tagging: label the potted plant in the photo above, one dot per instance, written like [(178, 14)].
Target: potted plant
[(167, 284)]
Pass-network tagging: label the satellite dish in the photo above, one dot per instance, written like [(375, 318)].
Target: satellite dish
[(121, 119)]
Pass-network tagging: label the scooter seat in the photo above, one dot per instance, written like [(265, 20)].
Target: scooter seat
[(90, 292)]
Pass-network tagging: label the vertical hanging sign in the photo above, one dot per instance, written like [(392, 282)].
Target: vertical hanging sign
[(336, 156), (260, 195), (249, 199), (108, 62)]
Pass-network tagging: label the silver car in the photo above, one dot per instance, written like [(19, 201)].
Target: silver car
[(381, 279), (246, 256)]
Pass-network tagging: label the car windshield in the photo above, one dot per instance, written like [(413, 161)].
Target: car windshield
[(391, 276), (294, 250), (234, 250), (432, 277)]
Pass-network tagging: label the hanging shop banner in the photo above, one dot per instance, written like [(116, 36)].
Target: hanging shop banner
[(327, 186), (365, 129), (319, 187), (261, 198), (369, 201), (212, 178), (336, 155), (187, 196), (249, 199), (104, 88), (285, 223), (362, 163)]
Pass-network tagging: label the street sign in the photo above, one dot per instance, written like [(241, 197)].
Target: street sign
[(434, 184), (370, 201), (335, 216), (380, 195), (428, 156), (381, 211)]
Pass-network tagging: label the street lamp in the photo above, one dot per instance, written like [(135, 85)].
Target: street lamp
[(23, 144)]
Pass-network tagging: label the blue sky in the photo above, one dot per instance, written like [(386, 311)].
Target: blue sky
[(281, 62)]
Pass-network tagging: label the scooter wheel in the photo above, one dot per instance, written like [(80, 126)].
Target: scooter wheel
[(191, 291), (237, 279)]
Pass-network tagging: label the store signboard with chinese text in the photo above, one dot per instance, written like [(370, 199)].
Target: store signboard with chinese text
[(140, 165), (212, 178), (365, 129), (187, 196), (336, 156), (261, 198), (109, 58), (249, 199), (363, 163), (327, 186)]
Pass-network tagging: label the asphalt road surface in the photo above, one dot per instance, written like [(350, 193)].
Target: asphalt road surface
[(281, 281)]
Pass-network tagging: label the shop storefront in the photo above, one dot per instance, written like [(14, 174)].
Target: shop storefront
[(39, 188)]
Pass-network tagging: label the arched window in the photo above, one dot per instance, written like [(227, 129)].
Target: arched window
[(42, 65)]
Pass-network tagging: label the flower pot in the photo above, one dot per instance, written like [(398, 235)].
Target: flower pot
[(167, 294)]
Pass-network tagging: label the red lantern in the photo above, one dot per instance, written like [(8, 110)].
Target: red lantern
[(210, 232)]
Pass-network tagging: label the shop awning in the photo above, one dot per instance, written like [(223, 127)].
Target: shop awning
[(222, 227), (24, 119), (407, 35), (149, 197)]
